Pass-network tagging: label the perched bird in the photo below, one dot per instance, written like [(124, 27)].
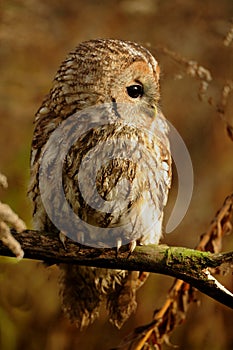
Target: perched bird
[(105, 103)]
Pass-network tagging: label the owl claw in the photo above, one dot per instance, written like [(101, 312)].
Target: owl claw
[(132, 246), (118, 246), (62, 238)]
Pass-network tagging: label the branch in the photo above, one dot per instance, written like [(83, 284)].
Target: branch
[(183, 263)]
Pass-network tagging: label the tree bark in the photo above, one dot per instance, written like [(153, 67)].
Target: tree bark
[(186, 264)]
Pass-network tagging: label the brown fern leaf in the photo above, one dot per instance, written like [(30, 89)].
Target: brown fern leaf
[(181, 295)]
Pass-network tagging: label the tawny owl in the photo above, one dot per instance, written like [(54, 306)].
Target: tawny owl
[(104, 102)]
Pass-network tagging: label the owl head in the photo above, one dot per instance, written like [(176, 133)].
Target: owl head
[(105, 71)]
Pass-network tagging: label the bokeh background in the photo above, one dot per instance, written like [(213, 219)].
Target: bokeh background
[(34, 37)]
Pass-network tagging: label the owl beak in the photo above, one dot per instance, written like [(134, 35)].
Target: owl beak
[(155, 110)]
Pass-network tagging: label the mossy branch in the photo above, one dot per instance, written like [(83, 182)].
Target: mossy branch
[(183, 263)]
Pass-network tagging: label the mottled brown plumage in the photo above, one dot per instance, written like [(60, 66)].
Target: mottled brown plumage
[(127, 136)]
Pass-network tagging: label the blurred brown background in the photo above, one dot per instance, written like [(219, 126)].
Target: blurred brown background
[(34, 37)]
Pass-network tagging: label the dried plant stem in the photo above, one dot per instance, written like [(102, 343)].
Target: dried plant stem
[(8, 217), (181, 294)]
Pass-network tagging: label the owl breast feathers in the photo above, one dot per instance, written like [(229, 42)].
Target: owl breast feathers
[(101, 136)]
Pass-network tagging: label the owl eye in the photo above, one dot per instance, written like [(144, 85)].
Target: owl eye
[(135, 91)]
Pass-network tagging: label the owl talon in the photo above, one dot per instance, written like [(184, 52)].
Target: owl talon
[(118, 246), (132, 246), (62, 238)]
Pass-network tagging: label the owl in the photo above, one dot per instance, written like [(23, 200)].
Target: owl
[(101, 142)]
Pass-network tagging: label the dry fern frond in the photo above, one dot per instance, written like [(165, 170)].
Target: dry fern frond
[(181, 294)]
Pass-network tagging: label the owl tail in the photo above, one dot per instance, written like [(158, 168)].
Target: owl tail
[(80, 297), (121, 301), (83, 288)]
